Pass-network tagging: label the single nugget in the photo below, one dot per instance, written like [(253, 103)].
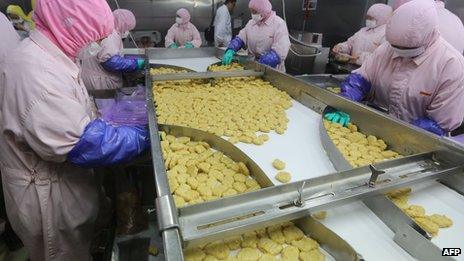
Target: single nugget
[(269, 246), (292, 233), (290, 253), (306, 244), (283, 177), (277, 235), (278, 164)]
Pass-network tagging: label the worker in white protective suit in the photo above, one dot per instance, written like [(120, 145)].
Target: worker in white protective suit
[(49, 137), (223, 24)]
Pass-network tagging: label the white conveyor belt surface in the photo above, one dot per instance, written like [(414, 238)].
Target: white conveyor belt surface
[(301, 149)]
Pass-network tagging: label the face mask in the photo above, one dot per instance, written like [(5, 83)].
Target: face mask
[(409, 53), (178, 20), (125, 34), (256, 17), (93, 49), (371, 24)]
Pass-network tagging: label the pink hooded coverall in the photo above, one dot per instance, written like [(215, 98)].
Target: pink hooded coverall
[(95, 77), (183, 33), (366, 40), (429, 85), (52, 204), (270, 33), (10, 38), (450, 26)]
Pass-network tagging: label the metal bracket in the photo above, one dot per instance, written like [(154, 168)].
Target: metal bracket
[(375, 175), (167, 218), (299, 202)]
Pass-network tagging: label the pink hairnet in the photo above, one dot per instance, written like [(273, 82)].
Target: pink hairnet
[(414, 24), (124, 20), (399, 3), (381, 13), (263, 7), (72, 24), (184, 14)]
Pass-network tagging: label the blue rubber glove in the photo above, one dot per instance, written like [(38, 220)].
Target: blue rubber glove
[(236, 44), (189, 45), (271, 59), (102, 144), (140, 64), (340, 117), (429, 125), (355, 87), (173, 46), (228, 57), (118, 63)]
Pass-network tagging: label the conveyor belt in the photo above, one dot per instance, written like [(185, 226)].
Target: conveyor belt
[(309, 160)]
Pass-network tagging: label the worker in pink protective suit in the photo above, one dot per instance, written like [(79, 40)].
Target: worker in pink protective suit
[(183, 34), (265, 36), (104, 71), (450, 26), (49, 137), (417, 76), (10, 38), (366, 40)]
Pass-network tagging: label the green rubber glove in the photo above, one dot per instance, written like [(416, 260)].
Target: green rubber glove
[(338, 117), (140, 64), (189, 45), (173, 46), (228, 57)]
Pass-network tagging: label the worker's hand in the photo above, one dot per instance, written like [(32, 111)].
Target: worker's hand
[(140, 64), (189, 45), (173, 46), (339, 117), (228, 57)]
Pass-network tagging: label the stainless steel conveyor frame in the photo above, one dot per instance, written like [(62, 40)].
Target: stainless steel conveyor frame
[(430, 157)]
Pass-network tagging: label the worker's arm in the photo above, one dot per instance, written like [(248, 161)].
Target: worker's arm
[(447, 105), (117, 63), (279, 49), (110, 56), (196, 42), (57, 127), (170, 36), (102, 144), (345, 47)]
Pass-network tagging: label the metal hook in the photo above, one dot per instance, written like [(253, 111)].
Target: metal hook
[(375, 175)]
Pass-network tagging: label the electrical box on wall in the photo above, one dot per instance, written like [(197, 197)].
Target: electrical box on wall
[(309, 5)]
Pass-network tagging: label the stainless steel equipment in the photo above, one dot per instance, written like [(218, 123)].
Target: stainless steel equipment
[(430, 157)]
